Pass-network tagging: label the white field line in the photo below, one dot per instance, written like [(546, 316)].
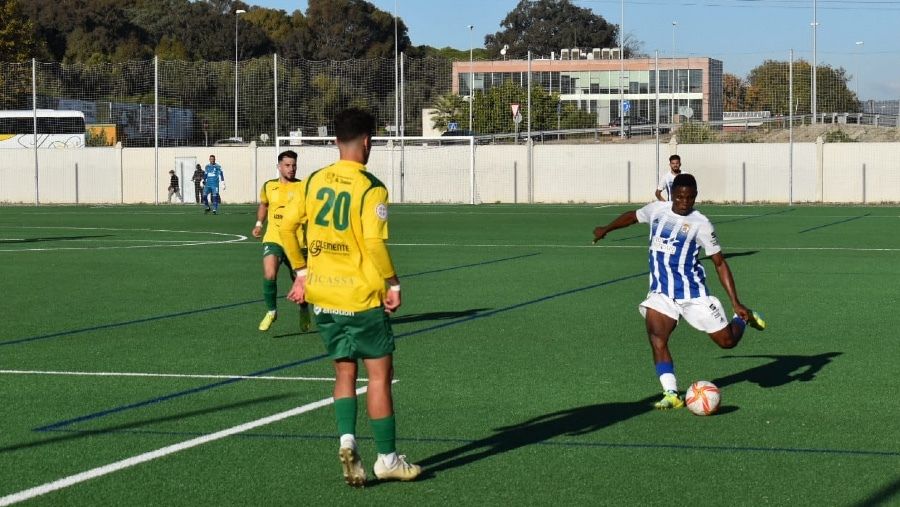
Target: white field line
[(235, 238), (93, 473), (644, 247), (165, 375)]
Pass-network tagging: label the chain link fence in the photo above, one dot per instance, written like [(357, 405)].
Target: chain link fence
[(165, 105)]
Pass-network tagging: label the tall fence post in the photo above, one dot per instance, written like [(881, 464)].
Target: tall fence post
[(864, 184), (34, 107), (628, 185), (76, 182), (156, 129), (743, 182), (529, 146), (791, 130)]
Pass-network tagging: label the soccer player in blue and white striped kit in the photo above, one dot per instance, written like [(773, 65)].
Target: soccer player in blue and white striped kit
[(678, 281), (213, 179)]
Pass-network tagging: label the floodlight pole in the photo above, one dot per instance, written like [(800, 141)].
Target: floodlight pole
[(621, 70), (672, 80), (812, 103), (471, 78), (859, 45)]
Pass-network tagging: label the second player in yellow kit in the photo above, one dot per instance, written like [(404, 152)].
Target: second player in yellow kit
[(350, 280), (273, 199)]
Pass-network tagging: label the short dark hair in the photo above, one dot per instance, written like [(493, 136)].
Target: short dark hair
[(287, 154), (684, 180), (675, 157), (351, 124)]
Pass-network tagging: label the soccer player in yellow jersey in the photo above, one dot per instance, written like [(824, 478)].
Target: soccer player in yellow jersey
[(273, 198), (351, 282)]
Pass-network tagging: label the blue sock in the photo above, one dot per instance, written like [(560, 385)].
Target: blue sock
[(739, 321), (662, 368), (666, 373)]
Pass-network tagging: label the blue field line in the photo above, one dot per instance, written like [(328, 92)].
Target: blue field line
[(552, 443), (114, 410), (207, 387), (471, 265), (834, 223), (128, 322), (223, 307), (516, 306)]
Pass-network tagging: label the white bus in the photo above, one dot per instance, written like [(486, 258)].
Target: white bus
[(55, 129)]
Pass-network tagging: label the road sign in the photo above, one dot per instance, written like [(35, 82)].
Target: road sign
[(626, 106), (686, 111), (514, 107), (517, 118), (452, 126)]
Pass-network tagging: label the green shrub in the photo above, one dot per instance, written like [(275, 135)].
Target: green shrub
[(838, 136), (696, 133)]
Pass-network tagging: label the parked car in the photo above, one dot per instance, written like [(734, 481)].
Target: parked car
[(638, 125)]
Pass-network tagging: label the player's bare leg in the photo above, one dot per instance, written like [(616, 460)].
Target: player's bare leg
[(659, 329)]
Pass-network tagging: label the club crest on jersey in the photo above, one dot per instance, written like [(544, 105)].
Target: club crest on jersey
[(381, 211), (685, 228)]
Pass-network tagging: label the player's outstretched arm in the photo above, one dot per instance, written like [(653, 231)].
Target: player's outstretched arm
[(727, 279), (622, 221)]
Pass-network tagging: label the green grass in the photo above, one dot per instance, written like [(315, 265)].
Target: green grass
[(524, 372)]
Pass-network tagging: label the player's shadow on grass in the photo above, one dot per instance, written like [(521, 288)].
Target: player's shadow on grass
[(883, 496), (421, 317), (52, 238), (588, 419), (416, 317), (782, 370), (731, 255), (76, 434)]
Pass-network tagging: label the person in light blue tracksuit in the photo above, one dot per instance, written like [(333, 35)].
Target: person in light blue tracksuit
[(214, 181)]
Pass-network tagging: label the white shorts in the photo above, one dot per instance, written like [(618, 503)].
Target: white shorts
[(704, 313)]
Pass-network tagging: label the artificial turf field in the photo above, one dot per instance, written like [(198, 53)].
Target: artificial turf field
[(524, 372)]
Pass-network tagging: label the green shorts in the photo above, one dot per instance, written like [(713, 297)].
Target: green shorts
[(360, 335), (276, 250)]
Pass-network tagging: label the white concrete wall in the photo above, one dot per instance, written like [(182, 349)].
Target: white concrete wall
[(607, 173)]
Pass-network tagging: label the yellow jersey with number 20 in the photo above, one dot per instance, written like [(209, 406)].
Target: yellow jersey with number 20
[(342, 206)]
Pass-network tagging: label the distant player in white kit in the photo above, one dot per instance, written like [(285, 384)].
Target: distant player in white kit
[(665, 183), (678, 281)]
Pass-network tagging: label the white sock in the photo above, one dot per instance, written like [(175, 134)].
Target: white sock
[(348, 440), (388, 460), (668, 382)]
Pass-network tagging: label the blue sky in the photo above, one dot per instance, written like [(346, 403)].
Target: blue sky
[(741, 33)]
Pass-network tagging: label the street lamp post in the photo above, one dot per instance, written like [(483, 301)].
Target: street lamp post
[(471, 77), (812, 102), (236, 14), (859, 45), (672, 88)]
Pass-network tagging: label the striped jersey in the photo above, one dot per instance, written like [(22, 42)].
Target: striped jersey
[(276, 195), (675, 242), (665, 183), (342, 206), (213, 175)]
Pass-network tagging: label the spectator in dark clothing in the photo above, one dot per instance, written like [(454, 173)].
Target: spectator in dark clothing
[(174, 188), (198, 178)]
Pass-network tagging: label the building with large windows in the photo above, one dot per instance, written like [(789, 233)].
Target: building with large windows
[(689, 87)]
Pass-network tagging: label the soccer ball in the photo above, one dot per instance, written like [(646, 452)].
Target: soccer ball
[(702, 398)]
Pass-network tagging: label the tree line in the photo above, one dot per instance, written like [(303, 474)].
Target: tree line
[(98, 32)]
